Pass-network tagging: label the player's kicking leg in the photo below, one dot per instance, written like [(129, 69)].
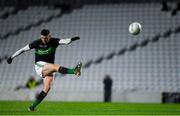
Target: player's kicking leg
[(51, 68)]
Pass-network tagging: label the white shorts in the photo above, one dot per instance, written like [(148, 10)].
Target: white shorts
[(38, 67)]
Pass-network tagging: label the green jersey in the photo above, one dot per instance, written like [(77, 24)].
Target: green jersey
[(45, 52)]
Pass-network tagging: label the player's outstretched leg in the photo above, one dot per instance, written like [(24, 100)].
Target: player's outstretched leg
[(51, 68), (76, 70)]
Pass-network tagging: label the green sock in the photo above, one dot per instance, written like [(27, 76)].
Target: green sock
[(41, 96), (70, 71), (64, 70)]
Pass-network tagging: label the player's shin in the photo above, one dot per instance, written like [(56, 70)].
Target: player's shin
[(64, 70), (40, 97)]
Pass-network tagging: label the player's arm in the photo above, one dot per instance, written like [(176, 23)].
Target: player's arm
[(20, 51), (68, 40)]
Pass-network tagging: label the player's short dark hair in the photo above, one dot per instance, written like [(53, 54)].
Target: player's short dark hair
[(45, 32)]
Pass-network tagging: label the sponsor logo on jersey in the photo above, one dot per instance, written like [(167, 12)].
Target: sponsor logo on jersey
[(45, 51)]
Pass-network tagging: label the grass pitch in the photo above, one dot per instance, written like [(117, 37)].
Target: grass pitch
[(88, 108)]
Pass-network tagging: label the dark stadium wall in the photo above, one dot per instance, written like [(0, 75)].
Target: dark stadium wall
[(74, 2)]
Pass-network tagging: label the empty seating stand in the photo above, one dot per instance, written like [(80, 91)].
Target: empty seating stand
[(103, 29)]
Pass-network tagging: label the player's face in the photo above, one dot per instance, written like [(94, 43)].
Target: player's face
[(45, 39)]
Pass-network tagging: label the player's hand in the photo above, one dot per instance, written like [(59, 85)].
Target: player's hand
[(75, 38), (9, 60)]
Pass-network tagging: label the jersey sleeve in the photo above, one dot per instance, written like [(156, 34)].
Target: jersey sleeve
[(56, 41), (34, 44), (20, 51), (65, 41)]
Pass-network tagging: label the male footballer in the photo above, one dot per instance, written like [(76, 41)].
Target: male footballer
[(45, 49)]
